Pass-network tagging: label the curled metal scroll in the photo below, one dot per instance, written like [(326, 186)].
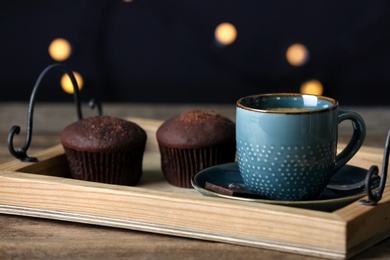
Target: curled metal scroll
[(375, 196), (21, 153)]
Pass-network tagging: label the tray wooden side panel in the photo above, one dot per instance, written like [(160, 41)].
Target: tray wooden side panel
[(366, 225), (169, 212), (269, 226)]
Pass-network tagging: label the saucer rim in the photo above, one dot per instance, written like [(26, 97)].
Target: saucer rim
[(317, 202)]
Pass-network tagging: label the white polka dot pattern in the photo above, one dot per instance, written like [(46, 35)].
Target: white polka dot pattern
[(286, 172)]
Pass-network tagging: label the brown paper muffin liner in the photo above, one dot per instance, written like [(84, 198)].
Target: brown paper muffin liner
[(180, 165), (123, 168)]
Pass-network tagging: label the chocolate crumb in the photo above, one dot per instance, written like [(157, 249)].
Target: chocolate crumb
[(232, 190), (218, 189)]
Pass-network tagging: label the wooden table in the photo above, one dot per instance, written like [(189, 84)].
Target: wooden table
[(25, 237)]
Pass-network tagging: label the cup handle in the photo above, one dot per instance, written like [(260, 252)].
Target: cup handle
[(356, 141)]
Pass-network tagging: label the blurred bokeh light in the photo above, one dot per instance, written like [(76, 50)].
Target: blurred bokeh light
[(225, 33), (67, 85), (60, 49), (312, 86), (297, 55)]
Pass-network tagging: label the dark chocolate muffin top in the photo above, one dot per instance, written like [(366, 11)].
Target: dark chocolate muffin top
[(196, 129), (103, 133)]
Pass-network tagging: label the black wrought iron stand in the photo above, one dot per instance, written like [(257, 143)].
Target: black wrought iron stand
[(21, 153)]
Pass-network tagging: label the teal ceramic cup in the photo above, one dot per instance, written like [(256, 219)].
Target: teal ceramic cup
[(287, 143)]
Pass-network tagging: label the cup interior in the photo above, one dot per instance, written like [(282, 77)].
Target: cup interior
[(286, 103)]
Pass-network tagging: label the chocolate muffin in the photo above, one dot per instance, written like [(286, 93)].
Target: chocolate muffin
[(105, 149), (193, 141)]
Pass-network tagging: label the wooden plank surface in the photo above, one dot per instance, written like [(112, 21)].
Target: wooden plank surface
[(241, 250)]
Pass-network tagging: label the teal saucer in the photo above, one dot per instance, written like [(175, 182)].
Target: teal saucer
[(346, 186)]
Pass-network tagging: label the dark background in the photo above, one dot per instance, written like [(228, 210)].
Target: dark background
[(164, 50)]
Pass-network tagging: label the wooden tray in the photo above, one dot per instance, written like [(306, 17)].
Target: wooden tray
[(44, 189)]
